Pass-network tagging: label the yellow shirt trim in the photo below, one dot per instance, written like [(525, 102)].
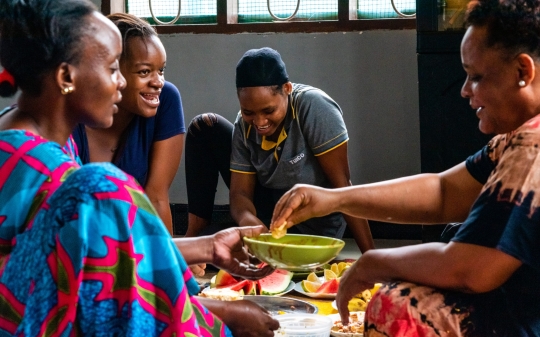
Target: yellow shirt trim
[(320, 154), (244, 172)]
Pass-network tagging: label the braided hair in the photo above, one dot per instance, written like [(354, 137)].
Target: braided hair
[(131, 26)]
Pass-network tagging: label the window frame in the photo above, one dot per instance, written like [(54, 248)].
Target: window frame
[(227, 22)]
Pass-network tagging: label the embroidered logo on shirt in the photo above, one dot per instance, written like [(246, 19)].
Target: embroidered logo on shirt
[(296, 159)]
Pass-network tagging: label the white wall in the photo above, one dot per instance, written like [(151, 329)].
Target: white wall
[(372, 75)]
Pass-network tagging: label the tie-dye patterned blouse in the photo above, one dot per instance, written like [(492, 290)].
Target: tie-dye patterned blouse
[(506, 216), (82, 252)]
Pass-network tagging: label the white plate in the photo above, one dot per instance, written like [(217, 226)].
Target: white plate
[(298, 288), (289, 288), (336, 317)]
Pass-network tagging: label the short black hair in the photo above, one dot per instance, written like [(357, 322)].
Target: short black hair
[(38, 35), (513, 25)]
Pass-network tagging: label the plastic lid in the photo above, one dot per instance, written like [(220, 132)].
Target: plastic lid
[(304, 323)]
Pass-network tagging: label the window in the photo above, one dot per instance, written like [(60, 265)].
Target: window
[(234, 16)]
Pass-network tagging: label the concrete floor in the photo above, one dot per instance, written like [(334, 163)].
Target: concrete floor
[(351, 251)]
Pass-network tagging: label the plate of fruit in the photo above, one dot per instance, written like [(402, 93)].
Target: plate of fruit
[(325, 286), (276, 284), (360, 301)]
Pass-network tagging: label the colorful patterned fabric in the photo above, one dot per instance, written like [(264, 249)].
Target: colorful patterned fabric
[(90, 259), (402, 309), (506, 217)]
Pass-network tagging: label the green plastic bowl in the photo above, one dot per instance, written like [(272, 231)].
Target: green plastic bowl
[(294, 252)]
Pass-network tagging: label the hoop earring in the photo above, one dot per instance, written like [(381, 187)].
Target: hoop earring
[(522, 83), (67, 90)]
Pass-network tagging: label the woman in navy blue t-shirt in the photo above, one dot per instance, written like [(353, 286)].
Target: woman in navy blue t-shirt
[(147, 135)]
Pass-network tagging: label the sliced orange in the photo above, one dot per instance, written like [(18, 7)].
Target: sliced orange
[(329, 275), (334, 267), (312, 277), (341, 266), (310, 287)]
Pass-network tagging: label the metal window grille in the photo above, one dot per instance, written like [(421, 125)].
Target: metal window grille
[(308, 10), (383, 9), (191, 11), (257, 11)]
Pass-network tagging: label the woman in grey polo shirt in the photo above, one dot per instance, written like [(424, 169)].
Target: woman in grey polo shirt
[(284, 134)]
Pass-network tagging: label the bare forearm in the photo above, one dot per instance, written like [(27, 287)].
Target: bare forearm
[(163, 209), (422, 264), (218, 308), (243, 211), (361, 233), (195, 249), (455, 266), (416, 199)]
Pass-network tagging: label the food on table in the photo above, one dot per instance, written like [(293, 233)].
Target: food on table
[(272, 284), (356, 324), (332, 274), (329, 287), (222, 294), (280, 231), (375, 288), (329, 284), (357, 304)]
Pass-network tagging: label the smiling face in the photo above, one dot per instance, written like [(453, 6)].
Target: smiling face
[(492, 84), (264, 108), (97, 77), (143, 68)]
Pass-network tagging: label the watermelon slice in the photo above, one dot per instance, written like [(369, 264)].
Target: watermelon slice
[(251, 288), (329, 287), (235, 286), (224, 279), (275, 283)]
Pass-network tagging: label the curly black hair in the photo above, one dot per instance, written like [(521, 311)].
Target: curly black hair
[(131, 26), (513, 25), (38, 35)]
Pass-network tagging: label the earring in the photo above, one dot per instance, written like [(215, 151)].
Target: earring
[(67, 90), (521, 83)]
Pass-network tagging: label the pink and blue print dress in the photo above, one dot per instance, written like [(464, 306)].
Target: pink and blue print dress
[(83, 253)]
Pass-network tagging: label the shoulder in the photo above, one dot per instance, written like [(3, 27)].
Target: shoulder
[(169, 87), (169, 92), (304, 91)]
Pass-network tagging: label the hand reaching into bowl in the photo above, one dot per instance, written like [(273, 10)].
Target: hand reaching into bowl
[(301, 203), (231, 255), (226, 251)]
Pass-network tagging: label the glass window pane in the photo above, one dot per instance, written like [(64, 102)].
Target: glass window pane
[(309, 10), (380, 9), (192, 11)]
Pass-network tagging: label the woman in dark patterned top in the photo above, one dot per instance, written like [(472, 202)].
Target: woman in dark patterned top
[(485, 282)]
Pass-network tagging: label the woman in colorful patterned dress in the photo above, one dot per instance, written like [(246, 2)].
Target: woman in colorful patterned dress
[(485, 282), (82, 250)]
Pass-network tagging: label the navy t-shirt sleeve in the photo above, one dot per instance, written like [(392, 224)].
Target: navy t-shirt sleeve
[(170, 114), (507, 212), (480, 165)]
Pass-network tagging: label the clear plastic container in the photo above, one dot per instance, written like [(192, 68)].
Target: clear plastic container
[(303, 325)]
